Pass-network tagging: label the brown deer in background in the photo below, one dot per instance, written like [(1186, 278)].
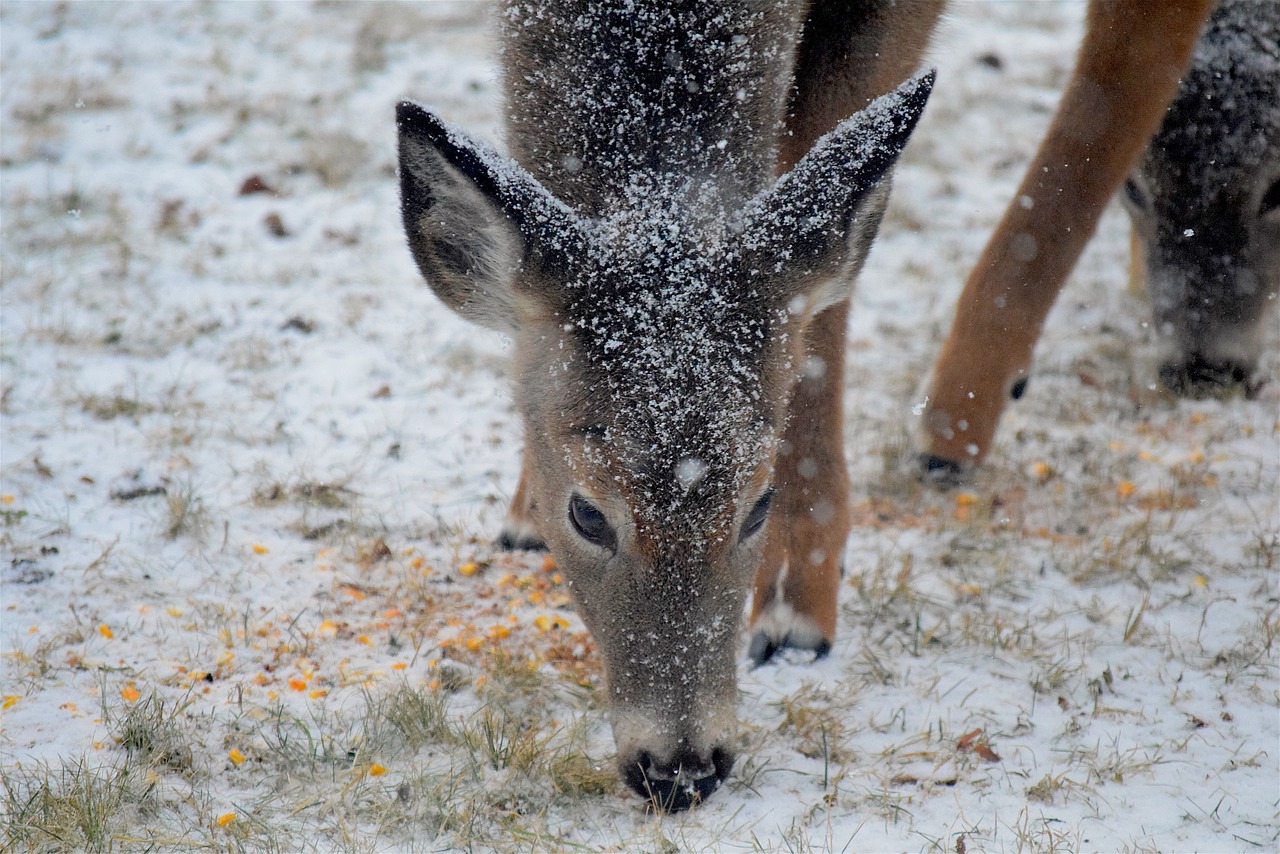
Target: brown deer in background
[(678, 312)]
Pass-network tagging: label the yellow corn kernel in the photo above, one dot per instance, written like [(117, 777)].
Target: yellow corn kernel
[(226, 818), (260, 549), (105, 630), (236, 756), (1126, 488), (469, 568)]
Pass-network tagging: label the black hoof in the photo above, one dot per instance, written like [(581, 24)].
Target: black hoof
[(684, 783), (1018, 389), (941, 472), (763, 648)]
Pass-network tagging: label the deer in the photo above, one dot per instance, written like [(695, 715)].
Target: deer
[(1126, 73), (1204, 204), (690, 190)]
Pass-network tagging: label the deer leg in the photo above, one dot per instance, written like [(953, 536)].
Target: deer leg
[(796, 587), (518, 531), (1126, 74)]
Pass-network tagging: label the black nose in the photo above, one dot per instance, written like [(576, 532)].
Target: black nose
[(686, 781), (1198, 376)]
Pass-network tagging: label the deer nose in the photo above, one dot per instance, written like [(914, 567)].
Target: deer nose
[(1197, 376), (686, 780)]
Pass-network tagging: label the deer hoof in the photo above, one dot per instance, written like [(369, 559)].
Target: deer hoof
[(942, 472), (781, 627)]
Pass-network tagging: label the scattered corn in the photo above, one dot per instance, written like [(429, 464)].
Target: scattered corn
[(966, 499), (236, 756), (260, 549), (298, 684), (398, 665), (226, 818), (9, 701), (6, 498), (546, 623), (105, 630), (469, 568), (1126, 488), (130, 693), (376, 770)]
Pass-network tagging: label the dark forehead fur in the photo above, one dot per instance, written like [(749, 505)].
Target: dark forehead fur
[(1225, 121), (657, 121), (603, 91)]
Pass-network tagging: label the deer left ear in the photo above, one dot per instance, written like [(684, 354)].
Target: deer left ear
[(474, 217), (813, 227)]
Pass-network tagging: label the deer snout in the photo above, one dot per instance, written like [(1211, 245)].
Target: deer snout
[(678, 764), (1198, 375), (685, 779)]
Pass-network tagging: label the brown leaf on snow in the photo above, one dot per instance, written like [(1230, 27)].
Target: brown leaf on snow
[(975, 740), (255, 184)]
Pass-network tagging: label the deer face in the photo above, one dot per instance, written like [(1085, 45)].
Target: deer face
[(656, 348), (1205, 205)]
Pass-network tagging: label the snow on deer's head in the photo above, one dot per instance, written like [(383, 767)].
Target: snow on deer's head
[(1205, 205), (656, 349)]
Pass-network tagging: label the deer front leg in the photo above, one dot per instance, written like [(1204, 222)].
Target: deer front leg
[(518, 531), (797, 585), (1125, 76)]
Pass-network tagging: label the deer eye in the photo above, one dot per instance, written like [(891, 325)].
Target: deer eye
[(757, 516), (590, 523)]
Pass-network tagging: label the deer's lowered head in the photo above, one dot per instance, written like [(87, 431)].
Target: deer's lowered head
[(1205, 205), (657, 337)]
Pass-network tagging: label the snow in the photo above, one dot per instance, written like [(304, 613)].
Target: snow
[(1101, 603)]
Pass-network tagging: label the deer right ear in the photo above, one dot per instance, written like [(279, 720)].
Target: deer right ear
[(473, 217)]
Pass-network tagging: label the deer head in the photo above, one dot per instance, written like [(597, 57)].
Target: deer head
[(656, 348), (1205, 204)]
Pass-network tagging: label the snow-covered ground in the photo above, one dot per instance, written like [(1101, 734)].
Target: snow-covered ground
[(251, 468)]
